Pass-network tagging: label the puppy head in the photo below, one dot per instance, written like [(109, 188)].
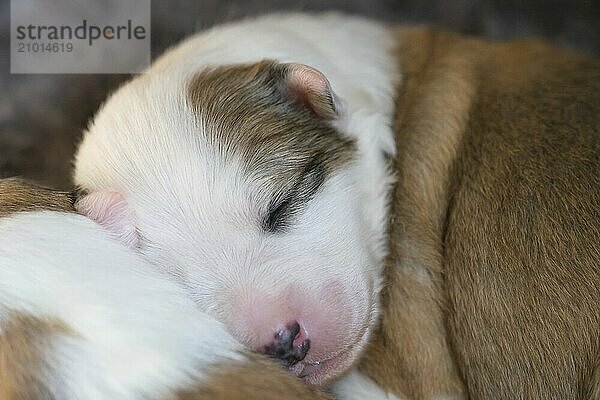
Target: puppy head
[(236, 182)]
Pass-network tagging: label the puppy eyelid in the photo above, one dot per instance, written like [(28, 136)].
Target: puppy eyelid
[(284, 207)]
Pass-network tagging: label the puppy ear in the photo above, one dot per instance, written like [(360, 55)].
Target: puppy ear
[(111, 210), (311, 89)]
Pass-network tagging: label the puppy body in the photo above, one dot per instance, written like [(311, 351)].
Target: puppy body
[(83, 317), (496, 222), (497, 186)]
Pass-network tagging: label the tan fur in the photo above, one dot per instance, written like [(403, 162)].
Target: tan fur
[(263, 124), (257, 379), (433, 101), (17, 195), (24, 343), (495, 258)]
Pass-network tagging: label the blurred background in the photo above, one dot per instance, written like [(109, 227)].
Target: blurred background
[(42, 116)]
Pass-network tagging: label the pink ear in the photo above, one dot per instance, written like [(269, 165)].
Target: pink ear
[(311, 88), (110, 209)]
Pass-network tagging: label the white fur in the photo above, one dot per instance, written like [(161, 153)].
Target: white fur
[(357, 386), (197, 215), (354, 54), (136, 334)]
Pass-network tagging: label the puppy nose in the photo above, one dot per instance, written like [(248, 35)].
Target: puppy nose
[(283, 347)]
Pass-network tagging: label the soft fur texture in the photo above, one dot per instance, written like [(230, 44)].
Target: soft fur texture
[(82, 317), (491, 282), (17, 195), (494, 254), (102, 322), (256, 379), (201, 169)]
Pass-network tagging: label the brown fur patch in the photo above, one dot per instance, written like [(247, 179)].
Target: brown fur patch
[(245, 111), (24, 342), (494, 239), (257, 379), (17, 195)]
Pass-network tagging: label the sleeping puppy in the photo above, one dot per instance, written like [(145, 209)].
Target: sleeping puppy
[(254, 185), (83, 317), (234, 165)]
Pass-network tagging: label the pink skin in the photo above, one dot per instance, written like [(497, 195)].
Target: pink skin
[(337, 331), (323, 370), (257, 320), (110, 209)]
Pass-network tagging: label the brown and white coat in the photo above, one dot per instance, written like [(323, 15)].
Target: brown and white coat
[(269, 199)]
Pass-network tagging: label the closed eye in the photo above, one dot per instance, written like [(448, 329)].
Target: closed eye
[(284, 207)]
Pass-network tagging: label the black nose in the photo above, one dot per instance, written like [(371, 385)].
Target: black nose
[(283, 348)]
